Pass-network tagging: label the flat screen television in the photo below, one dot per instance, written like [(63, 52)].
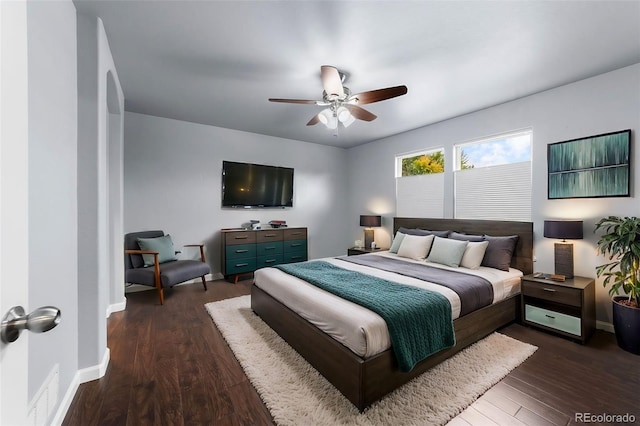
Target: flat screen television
[(256, 185)]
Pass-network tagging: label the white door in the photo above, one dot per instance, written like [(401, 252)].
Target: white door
[(13, 204)]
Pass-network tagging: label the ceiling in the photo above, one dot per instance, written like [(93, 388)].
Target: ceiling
[(217, 62)]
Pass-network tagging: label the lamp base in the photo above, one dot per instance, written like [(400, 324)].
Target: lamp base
[(368, 238), (563, 253)]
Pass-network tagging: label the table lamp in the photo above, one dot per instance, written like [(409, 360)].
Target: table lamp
[(563, 252), (369, 222)]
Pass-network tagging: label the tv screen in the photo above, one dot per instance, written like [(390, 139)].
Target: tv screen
[(256, 185)]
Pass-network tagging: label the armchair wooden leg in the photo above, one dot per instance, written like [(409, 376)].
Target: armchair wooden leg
[(204, 283), (158, 281)]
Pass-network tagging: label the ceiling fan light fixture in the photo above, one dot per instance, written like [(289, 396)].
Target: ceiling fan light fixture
[(343, 114), (349, 121), (327, 118)]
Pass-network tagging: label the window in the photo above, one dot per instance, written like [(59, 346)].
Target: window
[(420, 163), (420, 184), (493, 178)]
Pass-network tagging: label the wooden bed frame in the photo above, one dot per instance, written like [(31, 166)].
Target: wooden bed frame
[(364, 381)]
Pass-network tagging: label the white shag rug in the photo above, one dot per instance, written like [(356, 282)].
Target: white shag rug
[(296, 394)]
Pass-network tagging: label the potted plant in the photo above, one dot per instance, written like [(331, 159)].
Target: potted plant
[(621, 243)]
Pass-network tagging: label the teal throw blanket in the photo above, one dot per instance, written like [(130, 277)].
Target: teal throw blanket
[(419, 321)]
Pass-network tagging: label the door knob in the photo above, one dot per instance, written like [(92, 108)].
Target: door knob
[(42, 319)]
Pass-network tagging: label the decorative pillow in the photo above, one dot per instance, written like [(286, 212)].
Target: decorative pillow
[(416, 231), (415, 246), (466, 237), (473, 254), (397, 240), (163, 245), (447, 251), (499, 251)]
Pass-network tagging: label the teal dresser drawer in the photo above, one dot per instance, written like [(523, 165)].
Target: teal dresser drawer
[(239, 266), (295, 245), (295, 256), (265, 261), (567, 323), (240, 251), (270, 248)]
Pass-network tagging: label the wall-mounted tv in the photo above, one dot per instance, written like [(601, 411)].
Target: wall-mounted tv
[(247, 185)]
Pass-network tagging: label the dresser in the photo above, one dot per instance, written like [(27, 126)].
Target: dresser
[(245, 251), (566, 308)]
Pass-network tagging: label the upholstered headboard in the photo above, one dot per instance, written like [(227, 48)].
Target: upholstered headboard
[(523, 255)]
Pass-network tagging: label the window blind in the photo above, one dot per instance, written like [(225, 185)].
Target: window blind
[(420, 196), (494, 193)]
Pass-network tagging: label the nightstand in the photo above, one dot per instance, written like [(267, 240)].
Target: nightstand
[(362, 250), (566, 307)]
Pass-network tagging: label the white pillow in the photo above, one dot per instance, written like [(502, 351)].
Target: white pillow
[(447, 251), (415, 246), (473, 254)]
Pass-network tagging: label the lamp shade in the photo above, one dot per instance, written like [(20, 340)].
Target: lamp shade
[(370, 221), (563, 229)]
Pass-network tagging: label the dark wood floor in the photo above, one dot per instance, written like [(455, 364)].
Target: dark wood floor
[(170, 365)]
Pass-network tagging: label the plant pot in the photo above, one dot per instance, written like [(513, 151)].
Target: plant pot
[(626, 323)]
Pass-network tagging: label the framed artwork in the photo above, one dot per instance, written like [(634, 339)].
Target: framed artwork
[(596, 166)]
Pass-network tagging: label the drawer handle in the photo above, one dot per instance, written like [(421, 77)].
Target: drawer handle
[(270, 235), (549, 316), (238, 265), (244, 237), (296, 245), (550, 290), (269, 261), (269, 248), (296, 257), (242, 251)]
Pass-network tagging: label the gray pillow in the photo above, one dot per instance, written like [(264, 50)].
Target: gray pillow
[(416, 231), (397, 240), (163, 245), (499, 251), (466, 237), (447, 251)]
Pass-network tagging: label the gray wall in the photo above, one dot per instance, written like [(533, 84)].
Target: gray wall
[(601, 104), (53, 278), (172, 181)]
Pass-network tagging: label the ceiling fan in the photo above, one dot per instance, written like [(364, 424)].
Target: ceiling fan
[(342, 106)]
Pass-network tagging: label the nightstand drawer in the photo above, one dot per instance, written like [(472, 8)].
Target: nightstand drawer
[(567, 323), (552, 293)]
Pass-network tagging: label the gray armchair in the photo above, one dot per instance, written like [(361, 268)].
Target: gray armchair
[(159, 272)]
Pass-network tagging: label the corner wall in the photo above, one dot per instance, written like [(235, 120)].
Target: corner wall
[(597, 105)]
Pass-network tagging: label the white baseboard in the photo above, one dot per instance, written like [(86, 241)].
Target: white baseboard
[(606, 326), (116, 307), (82, 376)]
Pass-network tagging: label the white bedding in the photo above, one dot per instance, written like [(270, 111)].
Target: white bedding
[(359, 329)]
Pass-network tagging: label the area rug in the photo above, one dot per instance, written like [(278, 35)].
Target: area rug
[(296, 394)]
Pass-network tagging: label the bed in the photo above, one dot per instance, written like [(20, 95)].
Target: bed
[(362, 377)]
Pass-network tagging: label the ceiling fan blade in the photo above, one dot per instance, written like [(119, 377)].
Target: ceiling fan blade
[(360, 113), (315, 120), (331, 81), (378, 95), (294, 101)]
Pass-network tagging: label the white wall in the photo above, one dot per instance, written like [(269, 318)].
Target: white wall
[(100, 98), (53, 277), (172, 181), (601, 104)]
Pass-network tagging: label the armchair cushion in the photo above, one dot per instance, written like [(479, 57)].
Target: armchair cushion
[(163, 245), (171, 273)]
